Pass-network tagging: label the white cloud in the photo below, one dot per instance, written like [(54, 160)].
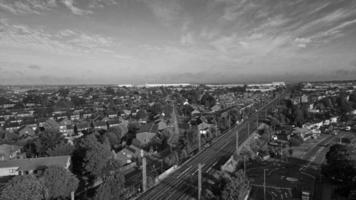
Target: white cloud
[(166, 11), (75, 10), (187, 39), (302, 42), (101, 3), (24, 37), (22, 7)]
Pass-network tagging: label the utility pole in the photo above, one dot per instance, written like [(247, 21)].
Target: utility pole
[(266, 113), (144, 172), (237, 141), (199, 181), (264, 184), (199, 139), (229, 117), (248, 128), (245, 164)]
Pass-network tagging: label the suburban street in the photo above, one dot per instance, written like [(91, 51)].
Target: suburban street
[(285, 179)]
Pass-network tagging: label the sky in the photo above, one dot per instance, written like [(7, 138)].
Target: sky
[(168, 41)]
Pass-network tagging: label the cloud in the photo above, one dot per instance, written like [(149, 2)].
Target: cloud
[(75, 10), (166, 11), (66, 33), (101, 3), (23, 7), (24, 37), (34, 67), (353, 63), (187, 39), (336, 30), (302, 42), (18, 7), (233, 9)]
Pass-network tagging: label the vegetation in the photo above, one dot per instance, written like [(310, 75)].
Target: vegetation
[(237, 187), (59, 182), (26, 187), (338, 169)]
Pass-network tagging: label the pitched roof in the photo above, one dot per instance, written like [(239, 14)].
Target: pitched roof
[(35, 163), (145, 137)]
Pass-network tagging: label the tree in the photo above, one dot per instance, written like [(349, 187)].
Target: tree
[(339, 169), (61, 149), (298, 117), (237, 187), (96, 155), (154, 110), (77, 101), (59, 182), (109, 91), (114, 135), (26, 187), (207, 100), (112, 187), (48, 139)]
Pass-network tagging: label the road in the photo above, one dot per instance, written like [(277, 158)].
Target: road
[(182, 183)]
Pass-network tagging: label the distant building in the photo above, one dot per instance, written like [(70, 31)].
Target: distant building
[(8, 152)]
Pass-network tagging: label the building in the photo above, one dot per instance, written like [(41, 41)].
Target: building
[(27, 131), (145, 138), (8, 152), (29, 166)]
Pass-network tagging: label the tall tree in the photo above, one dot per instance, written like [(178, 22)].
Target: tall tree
[(59, 182), (61, 149), (96, 156), (112, 187), (26, 187), (237, 187), (339, 169), (207, 100), (48, 139)]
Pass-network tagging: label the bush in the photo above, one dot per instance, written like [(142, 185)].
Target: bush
[(296, 141)]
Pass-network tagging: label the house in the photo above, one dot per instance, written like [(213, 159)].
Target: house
[(144, 138), (50, 124), (63, 124), (24, 114), (303, 132), (30, 165), (75, 117), (113, 122), (2, 121), (304, 99), (101, 125), (126, 112), (87, 115), (69, 130), (27, 131), (8, 152), (112, 115), (12, 126), (216, 108), (195, 112), (128, 155), (83, 126), (162, 125)]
